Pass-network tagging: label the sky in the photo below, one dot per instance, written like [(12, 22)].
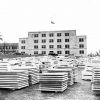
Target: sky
[(18, 17)]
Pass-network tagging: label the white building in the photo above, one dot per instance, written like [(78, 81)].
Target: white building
[(62, 42)]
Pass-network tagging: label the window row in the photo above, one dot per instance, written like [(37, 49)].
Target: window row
[(51, 46), (51, 34), (51, 40), (58, 52)]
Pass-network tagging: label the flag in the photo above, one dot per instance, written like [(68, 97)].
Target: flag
[(52, 22)]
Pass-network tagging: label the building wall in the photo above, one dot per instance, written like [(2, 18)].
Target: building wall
[(80, 43), (73, 42), (8, 47)]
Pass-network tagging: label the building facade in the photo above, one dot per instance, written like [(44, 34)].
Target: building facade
[(8, 47), (63, 42)]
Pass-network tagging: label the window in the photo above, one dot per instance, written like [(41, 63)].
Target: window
[(58, 34), (51, 46), (81, 45), (51, 35), (13, 47), (43, 52), (35, 41), (23, 41), (81, 51), (58, 40), (81, 39), (66, 34), (43, 35), (51, 40), (58, 46), (43, 46), (67, 46), (59, 52), (35, 35), (35, 46), (22, 47), (35, 52), (67, 52), (66, 40), (44, 41)]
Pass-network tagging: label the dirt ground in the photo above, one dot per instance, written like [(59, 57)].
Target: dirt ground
[(79, 91)]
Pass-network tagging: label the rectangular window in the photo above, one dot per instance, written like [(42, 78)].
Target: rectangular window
[(58, 40), (66, 40), (59, 52), (35, 41), (43, 52), (43, 35), (58, 46), (43, 46), (13, 47), (35, 35), (81, 39), (81, 45), (51, 35), (67, 46), (58, 34), (22, 47), (66, 34), (51, 46), (51, 40), (81, 51), (44, 41), (22, 41), (35, 52), (67, 52), (35, 46)]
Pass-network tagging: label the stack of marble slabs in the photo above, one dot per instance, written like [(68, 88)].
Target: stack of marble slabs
[(33, 73), (14, 79), (53, 82), (69, 71), (96, 80), (75, 75), (72, 71), (4, 66)]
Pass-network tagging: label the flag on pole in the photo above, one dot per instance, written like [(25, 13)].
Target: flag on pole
[(52, 22)]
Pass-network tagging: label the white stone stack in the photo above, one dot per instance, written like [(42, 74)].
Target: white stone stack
[(68, 71), (53, 81), (96, 80), (4, 66), (33, 73), (14, 79)]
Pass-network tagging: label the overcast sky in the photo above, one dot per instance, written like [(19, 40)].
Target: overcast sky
[(17, 17)]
